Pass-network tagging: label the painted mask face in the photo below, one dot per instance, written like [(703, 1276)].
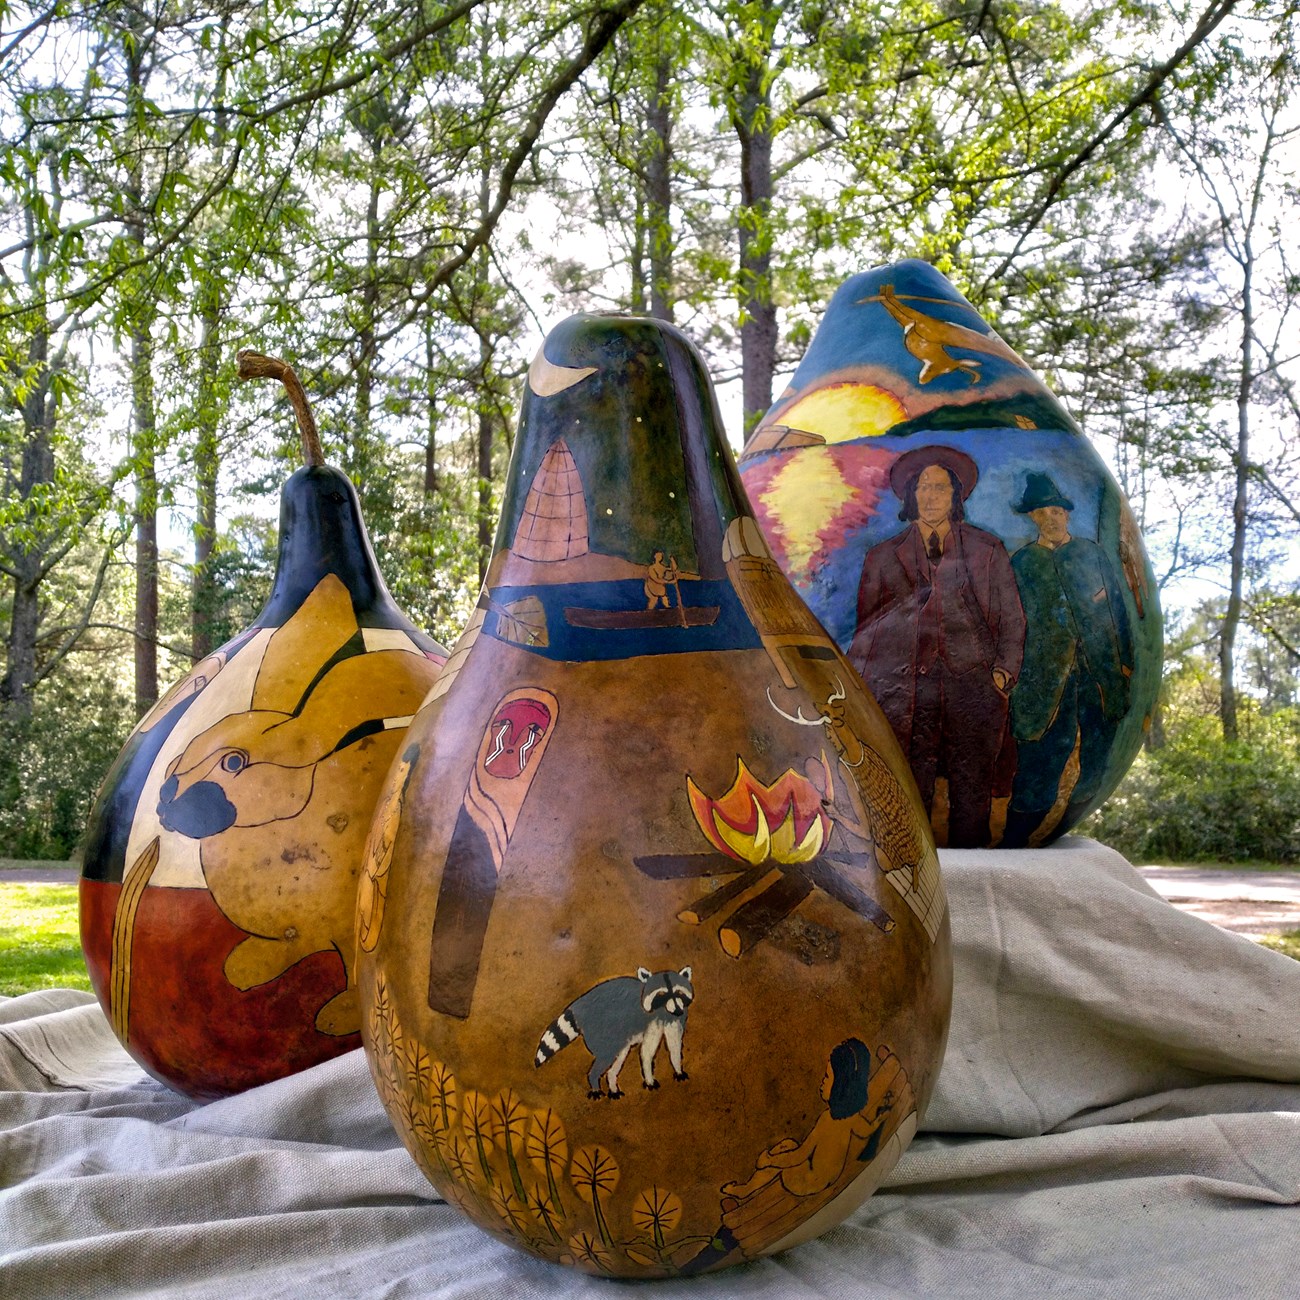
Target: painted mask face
[(516, 730)]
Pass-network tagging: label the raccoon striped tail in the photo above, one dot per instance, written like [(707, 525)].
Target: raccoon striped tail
[(559, 1034)]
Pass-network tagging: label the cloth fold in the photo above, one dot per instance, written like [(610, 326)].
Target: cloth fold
[(1118, 1115), (1076, 986), (61, 1037)]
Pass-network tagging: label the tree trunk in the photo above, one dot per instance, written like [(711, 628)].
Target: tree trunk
[(486, 518), (140, 311), (486, 426), (37, 471), (431, 483), (638, 273), (204, 597), (753, 123), (368, 349), (659, 192), (41, 539), (1240, 500), (146, 518), (485, 431), (24, 617)]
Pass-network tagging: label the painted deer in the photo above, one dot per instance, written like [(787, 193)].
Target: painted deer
[(928, 339)]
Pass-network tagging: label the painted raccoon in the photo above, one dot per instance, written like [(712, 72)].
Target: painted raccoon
[(616, 1015)]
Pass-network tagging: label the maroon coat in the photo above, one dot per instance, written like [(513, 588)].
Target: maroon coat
[(965, 616)]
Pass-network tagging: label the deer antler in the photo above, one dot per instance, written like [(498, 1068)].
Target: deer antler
[(801, 720)]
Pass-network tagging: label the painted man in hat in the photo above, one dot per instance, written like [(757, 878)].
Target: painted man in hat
[(940, 637), (1074, 685)]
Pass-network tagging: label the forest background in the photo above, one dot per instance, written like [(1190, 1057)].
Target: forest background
[(400, 198)]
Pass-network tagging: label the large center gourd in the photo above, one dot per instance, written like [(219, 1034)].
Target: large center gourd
[(653, 947)]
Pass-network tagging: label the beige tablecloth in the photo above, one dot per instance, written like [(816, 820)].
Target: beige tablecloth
[(1118, 1115)]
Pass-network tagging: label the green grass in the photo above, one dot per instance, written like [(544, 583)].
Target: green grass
[(1288, 943), (40, 947)]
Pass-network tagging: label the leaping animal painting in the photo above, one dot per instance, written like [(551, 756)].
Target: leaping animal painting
[(928, 339)]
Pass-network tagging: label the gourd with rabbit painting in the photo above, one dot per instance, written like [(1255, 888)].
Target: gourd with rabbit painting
[(219, 881)]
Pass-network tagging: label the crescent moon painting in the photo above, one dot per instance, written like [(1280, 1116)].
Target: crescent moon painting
[(546, 379)]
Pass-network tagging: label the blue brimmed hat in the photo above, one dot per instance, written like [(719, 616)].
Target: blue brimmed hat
[(1039, 493)]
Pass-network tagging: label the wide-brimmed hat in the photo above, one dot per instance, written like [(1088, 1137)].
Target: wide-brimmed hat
[(1039, 493), (910, 464)]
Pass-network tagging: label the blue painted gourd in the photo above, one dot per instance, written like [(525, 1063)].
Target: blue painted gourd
[(963, 542)]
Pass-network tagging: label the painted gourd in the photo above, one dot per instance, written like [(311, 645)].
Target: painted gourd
[(965, 545), (652, 945), (218, 889)]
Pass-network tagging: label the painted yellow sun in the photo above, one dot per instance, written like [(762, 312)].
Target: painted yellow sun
[(840, 412), (805, 495)]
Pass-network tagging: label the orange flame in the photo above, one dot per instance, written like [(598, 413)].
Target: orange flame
[(753, 822)]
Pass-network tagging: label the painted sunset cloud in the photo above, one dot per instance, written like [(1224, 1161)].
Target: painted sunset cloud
[(830, 492)]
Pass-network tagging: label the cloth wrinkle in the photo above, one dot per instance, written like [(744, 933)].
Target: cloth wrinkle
[(1001, 974)]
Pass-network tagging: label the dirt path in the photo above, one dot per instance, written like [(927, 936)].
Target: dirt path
[(1251, 903), (59, 875)]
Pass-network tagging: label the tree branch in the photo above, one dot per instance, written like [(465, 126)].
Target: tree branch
[(1259, 615), (78, 628), (382, 60), (1216, 12), (183, 652), (599, 35)]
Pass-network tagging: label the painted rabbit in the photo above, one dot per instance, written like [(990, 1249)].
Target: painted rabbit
[(280, 796)]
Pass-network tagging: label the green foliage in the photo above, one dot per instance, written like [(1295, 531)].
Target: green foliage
[(373, 192), (1287, 944), (430, 570), (1191, 795), (242, 566), (52, 763), (1201, 798), (1272, 655), (40, 945)]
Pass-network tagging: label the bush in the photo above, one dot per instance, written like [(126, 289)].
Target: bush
[(52, 764), (1199, 798)]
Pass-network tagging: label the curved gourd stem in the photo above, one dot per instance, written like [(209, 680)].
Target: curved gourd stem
[(254, 365)]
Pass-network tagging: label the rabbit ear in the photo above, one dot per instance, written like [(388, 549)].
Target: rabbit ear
[(299, 649), (360, 695)]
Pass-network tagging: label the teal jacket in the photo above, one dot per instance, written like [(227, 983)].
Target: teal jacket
[(1076, 618)]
